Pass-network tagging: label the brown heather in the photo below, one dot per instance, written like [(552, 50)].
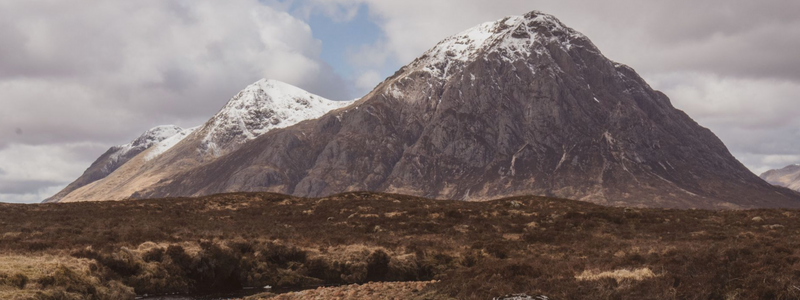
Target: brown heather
[(474, 250)]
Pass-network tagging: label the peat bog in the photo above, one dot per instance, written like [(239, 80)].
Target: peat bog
[(470, 250)]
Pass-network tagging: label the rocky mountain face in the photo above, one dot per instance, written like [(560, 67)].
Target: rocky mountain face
[(117, 156), (164, 150), (787, 177), (520, 106)]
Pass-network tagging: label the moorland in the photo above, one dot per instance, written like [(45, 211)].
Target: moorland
[(560, 248)]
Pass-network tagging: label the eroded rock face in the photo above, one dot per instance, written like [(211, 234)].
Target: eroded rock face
[(524, 105)]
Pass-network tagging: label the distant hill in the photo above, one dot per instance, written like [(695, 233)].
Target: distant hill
[(787, 177)]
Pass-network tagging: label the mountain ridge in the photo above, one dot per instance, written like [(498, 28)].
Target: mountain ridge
[(531, 113), (117, 156), (241, 119), (521, 106)]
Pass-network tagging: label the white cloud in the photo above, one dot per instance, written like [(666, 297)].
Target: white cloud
[(133, 65), (756, 118), (368, 80), (33, 172), (739, 102)]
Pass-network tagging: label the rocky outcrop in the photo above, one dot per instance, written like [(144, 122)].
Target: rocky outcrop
[(521, 106)]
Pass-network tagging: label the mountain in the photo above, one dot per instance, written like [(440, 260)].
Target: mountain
[(521, 106), (787, 177), (259, 108), (117, 156), (262, 106)]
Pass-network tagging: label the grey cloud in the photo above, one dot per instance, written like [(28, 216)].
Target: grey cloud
[(737, 38), (25, 186)]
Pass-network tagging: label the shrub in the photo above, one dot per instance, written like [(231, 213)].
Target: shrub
[(67, 284), (18, 280), (377, 265), (179, 258), (282, 255), (153, 255), (215, 268), (498, 250), (123, 262)]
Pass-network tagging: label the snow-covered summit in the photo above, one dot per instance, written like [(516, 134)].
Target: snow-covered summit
[(152, 137), (169, 142), (259, 108), (148, 139), (512, 37)]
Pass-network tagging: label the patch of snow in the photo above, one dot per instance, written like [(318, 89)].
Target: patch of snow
[(595, 100), (512, 38), (563, 159), (395, 92), (259, 108), (168, 143), (148, 139), (674, 184)]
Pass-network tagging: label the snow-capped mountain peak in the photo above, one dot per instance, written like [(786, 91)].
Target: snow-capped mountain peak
[(259, 108), (513, 37), (148, 139)]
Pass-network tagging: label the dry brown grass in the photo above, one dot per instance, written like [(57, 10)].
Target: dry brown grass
[(618, 275), (37, 266), (477, 250)]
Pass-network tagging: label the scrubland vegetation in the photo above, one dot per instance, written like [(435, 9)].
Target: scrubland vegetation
[(472, 250)]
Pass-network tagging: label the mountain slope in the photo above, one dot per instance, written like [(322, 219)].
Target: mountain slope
[(524, 105), (788, 177), (117, 156), (259, 108)]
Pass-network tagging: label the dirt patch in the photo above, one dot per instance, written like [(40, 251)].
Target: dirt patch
[(618, 275), (372, 290)]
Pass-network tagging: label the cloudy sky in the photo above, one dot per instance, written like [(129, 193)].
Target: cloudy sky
[(77, 77)]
